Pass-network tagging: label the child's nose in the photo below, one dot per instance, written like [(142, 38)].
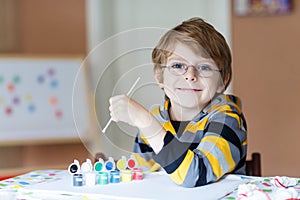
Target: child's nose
[(191, 74)]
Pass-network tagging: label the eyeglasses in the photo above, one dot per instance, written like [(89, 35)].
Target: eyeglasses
[(203, 70)]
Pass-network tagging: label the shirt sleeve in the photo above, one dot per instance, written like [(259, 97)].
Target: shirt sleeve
[(143, 154), (221, 150)]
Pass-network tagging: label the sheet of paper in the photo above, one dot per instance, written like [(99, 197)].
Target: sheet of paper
[(153, 186)]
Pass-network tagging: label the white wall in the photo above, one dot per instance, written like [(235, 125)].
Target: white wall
[(121, 35)]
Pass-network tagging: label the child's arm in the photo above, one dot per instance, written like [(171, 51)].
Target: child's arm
[(125, 109), (222, 150)]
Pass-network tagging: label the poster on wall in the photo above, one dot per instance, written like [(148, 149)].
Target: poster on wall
[(42, 99), (262, 7)]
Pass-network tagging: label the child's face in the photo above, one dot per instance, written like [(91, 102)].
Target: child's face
[(190, 90)]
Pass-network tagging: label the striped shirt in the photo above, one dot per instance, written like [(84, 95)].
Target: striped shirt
[(212, 144)]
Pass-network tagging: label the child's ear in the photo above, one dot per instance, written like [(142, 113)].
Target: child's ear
[(158, 75), (221, 88), (222, 83)]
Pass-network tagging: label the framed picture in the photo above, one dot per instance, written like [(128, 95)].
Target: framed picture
[(262, 7)]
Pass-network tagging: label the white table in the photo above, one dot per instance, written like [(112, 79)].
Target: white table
[(57, 184)]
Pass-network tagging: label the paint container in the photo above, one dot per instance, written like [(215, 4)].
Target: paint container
[(122, 163), (110, 164), (77, 180), (99, 165), (90, 179), (114, 176), (74, 168), (87, 166), (137, 174), (126, 175), (102, 178), (131, 162)]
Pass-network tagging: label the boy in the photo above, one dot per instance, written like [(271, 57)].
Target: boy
[(198, 134)]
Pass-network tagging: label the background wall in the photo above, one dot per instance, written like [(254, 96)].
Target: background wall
[(267, 77), (38, 28), (121, 37)]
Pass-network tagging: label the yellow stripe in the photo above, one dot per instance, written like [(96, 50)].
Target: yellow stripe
[(155, 167), (228, 111), (213, 108), (144, 139), (169, 127), (245, 142), (142, 162), (215, 165), (155, 111), (235, 116), (235, 105), (166, 105), (223, 145), (180, 173), (196, 127)]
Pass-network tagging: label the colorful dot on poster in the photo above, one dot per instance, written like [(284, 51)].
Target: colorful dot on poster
[(41, 79), (54, 84), (16, 100), (31, 108), (51, 72), (27, 97), (8, 110), (58, 114), (10, 87), (16, 79), (53, 101)]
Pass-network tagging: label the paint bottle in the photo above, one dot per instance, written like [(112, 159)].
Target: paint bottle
[(126, 175), (99, 165), (102, 178), (122, 163), (114, 176), (74, 167), (137, 174), (131, 162), (89, 176), (110, 164), (77, 180)]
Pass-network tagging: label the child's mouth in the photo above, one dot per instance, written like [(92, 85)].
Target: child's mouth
[(189, 89)]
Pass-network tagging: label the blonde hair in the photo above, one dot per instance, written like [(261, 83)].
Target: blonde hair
[(200, 36)]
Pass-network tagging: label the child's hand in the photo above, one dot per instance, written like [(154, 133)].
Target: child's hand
[(122, 108)]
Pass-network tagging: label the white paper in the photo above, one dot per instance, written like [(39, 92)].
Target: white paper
[(153, 186)]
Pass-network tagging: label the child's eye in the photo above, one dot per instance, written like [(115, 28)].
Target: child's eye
[(177, 66), (204, 67)]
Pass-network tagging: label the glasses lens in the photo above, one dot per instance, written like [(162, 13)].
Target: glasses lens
[(177, 68), (204, 70)]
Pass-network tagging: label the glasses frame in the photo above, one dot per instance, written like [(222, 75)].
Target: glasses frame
[(186, 67)]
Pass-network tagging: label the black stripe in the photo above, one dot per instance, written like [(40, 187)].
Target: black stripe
[(143, 147), (240, 164), (226, 132), (193, 146), (171, 155), (168, 138), (202, 173)]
